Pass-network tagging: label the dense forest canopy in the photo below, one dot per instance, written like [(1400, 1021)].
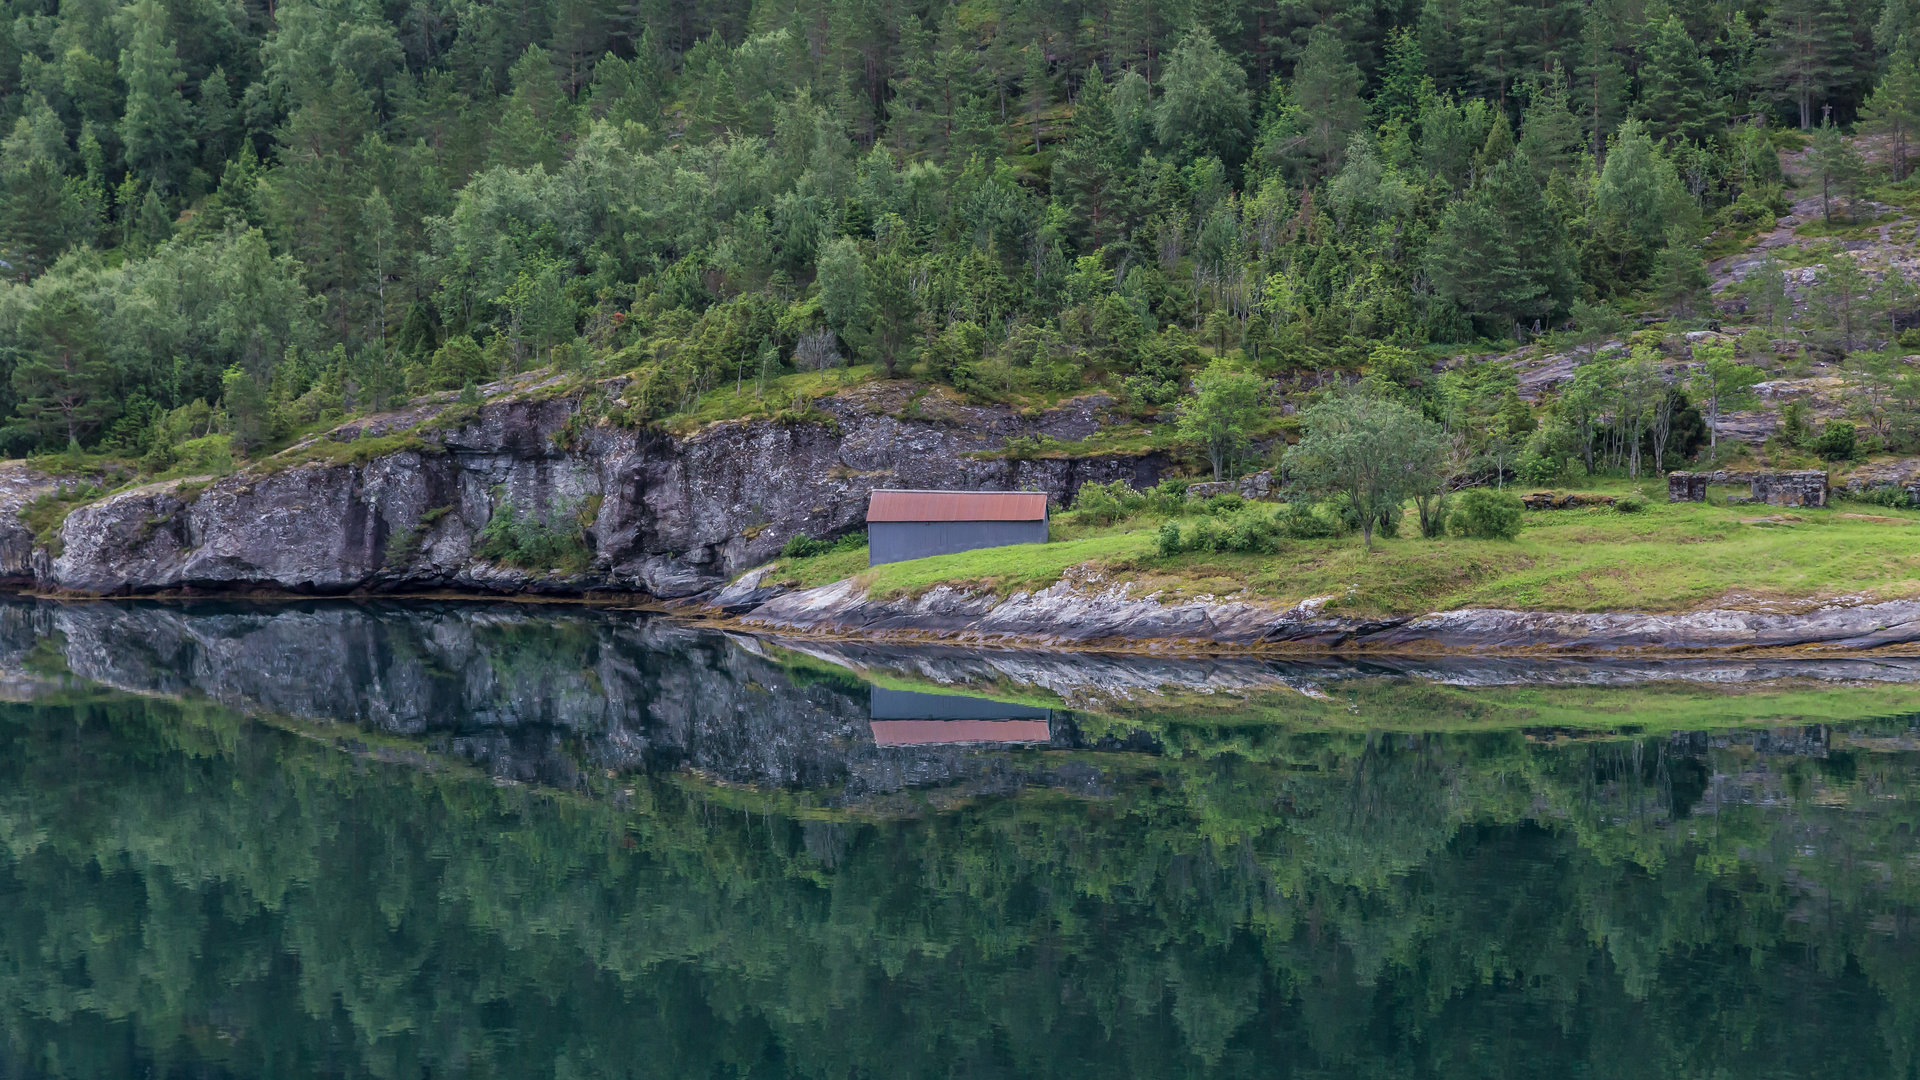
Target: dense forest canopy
[(251, 216)]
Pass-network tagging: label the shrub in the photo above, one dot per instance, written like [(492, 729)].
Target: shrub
[(802, 546), (514, 538), (1539, 468), (1169, 496), (1486, 514), (1836, 441), (1104, 504), (1632, 502), (1303, 521), (1897, 498), (1250, 530), (1224, 503)]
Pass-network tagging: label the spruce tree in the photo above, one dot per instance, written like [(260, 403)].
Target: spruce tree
[(1600, 78), (1404, 83), (157, 126), (1501, 254), (1491, 32), (1677, 87), (1549, 132)]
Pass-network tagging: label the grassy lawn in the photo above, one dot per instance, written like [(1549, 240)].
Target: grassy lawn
[(1665, 558)]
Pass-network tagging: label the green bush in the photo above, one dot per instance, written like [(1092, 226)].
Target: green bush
[(1897, 498), (1486, 514), (1104, 504), (1836, 441), (530, 542), (802, 546), (1633, 502), (1303, 520), (1539, 468), (1250, 530), (1224, 503)]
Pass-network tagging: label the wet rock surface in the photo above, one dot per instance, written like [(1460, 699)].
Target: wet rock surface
[(1081, 611)]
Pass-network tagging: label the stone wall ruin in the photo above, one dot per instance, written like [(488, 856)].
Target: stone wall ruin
[(1798, 487)]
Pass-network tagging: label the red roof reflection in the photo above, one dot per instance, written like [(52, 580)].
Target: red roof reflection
[(925, 732)]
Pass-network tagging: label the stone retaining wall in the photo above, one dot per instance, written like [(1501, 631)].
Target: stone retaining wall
[(1252, 486), (1799, 487)]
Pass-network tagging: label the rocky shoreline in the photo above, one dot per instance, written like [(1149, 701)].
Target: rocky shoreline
[(1084, 614)]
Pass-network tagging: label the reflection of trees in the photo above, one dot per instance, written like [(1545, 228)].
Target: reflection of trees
[(1339, 906)]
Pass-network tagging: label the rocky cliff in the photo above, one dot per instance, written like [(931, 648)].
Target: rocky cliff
[(670, 516)]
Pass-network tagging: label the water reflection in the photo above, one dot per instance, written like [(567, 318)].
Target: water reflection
[(578, 843)]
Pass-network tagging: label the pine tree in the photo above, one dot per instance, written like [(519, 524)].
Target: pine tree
[(1089, 176), (61, 376), (1501, 254), (1404, 83), (1680, 277), (1600, 79), (1549, 132), (157, 127), (1036, 86), (913, 111), (1490, 32), (1677, 87), (1810, 51), (1894, 110), (216, 127), (1837, 166), (538, 118), (1326, 93)]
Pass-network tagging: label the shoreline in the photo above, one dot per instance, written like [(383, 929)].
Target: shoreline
[(1889, 629)]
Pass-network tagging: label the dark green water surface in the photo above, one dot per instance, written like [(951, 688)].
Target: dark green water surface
[(471, 840)]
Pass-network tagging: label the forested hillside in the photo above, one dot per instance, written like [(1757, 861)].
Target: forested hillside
[(247, 217)]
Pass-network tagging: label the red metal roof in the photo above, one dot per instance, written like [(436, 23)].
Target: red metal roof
[(924, 732), (957, 506)]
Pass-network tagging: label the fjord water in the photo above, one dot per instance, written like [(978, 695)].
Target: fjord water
[(473, 840)]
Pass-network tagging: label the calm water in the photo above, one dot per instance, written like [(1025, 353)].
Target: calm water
[(475, 840)]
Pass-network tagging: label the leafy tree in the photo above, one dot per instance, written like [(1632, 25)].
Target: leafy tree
[(1722, 383), (843, 286), (1225, 404), (1203, 100), (1375, 452)]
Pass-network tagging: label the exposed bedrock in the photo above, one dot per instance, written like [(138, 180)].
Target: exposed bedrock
[(1081, 611), (669, 516)]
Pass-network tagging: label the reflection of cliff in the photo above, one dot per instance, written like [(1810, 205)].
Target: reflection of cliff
[(531, 694)]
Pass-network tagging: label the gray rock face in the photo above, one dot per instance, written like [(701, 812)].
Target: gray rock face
[(671, 516), (1077, 611)]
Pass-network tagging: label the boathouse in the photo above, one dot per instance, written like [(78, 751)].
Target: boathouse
[(914, 524)]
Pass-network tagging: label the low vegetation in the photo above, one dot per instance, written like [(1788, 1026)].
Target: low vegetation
[(1638, 554)]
